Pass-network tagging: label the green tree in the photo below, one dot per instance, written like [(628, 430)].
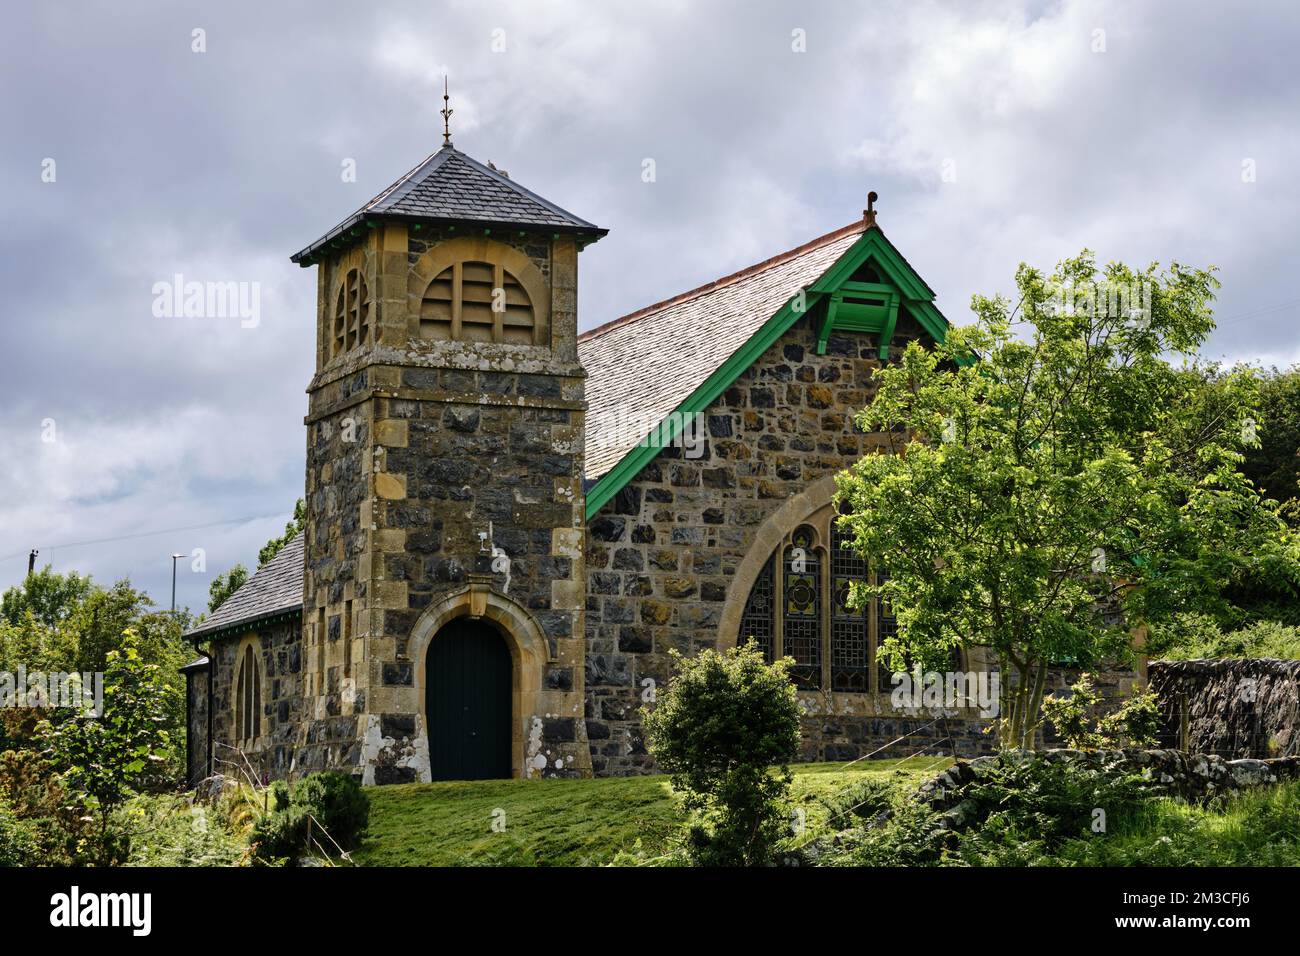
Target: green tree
[(726, 731), (224, 585), (46, 594), (102, 760), (1274, 466), (1040, 480)]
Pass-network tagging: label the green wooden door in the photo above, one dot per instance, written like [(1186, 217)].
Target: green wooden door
[(467, 702)]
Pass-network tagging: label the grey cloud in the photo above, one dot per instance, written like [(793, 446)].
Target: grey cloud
[(219, 165)]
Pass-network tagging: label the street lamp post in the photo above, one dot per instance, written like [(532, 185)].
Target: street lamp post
[(174, 557)]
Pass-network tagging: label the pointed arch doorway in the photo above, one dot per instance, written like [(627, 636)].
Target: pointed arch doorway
[(468, 702)]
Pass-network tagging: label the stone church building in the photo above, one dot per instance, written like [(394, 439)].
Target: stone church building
[(510, 525)]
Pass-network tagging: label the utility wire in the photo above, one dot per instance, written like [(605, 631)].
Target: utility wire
[(142, 534)]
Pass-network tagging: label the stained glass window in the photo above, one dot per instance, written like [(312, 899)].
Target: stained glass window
[(759, 618), (849, 638), (802, 608), (786, 612)]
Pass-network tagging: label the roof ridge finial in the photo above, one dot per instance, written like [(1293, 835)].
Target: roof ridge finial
[(446, 113), (869, 214)]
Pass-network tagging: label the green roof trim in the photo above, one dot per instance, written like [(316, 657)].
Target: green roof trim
[(834, 283)]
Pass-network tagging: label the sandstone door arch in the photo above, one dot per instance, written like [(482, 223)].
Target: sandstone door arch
[(527, 646)]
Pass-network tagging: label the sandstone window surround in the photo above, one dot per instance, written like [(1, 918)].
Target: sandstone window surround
[(352, 305), (248, 694), (799, 607), (480, 290)]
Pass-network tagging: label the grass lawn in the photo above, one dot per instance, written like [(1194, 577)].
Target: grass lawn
[(568, 822)]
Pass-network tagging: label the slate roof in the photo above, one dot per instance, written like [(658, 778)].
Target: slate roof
[(641, 367), (275, 588), (449, 186)]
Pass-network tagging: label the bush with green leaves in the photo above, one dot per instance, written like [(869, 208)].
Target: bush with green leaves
[(726, 731), (1076, 719), (104, 760), (19, 844), (1135, 724), (1071, 714), (1194, 636), (331, 802)]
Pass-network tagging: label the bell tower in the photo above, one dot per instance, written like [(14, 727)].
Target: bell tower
[(444, 485)]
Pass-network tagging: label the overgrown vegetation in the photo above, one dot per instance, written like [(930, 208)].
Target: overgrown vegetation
[(1195, 636), (102, 759), (171, 830), (66, 623), (74, 789), (726, 731), (323, 813), (1029, 812), (1274, 466), (1078, 718)]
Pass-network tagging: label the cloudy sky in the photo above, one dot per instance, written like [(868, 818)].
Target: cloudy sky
[(994, 133)]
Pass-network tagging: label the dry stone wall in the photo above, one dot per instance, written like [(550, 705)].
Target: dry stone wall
[(1233, 708)]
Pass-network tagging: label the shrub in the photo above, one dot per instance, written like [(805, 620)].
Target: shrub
[(19, 845), (1135, 724), (283, 834), (30, 791), (1072, 715), (726, 731), (104, 760), (337, 802), (1199, 636), (330, 801), (1043, 803)]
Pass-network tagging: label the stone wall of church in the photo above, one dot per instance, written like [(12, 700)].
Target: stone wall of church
[(196, 726), (336, 585), (661, 555), (270, 755)]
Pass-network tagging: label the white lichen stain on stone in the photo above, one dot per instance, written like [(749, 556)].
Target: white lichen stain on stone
[(372, 743), (534, 759), (409, 753)]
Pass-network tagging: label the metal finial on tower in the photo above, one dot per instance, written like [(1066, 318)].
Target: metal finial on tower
[(869, 214), (446, 113)]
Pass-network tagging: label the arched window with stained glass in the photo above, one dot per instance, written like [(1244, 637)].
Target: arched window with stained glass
[(801, 601), (801, 607)]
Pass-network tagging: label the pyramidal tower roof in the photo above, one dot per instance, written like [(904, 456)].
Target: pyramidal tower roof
[(451, 187)]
